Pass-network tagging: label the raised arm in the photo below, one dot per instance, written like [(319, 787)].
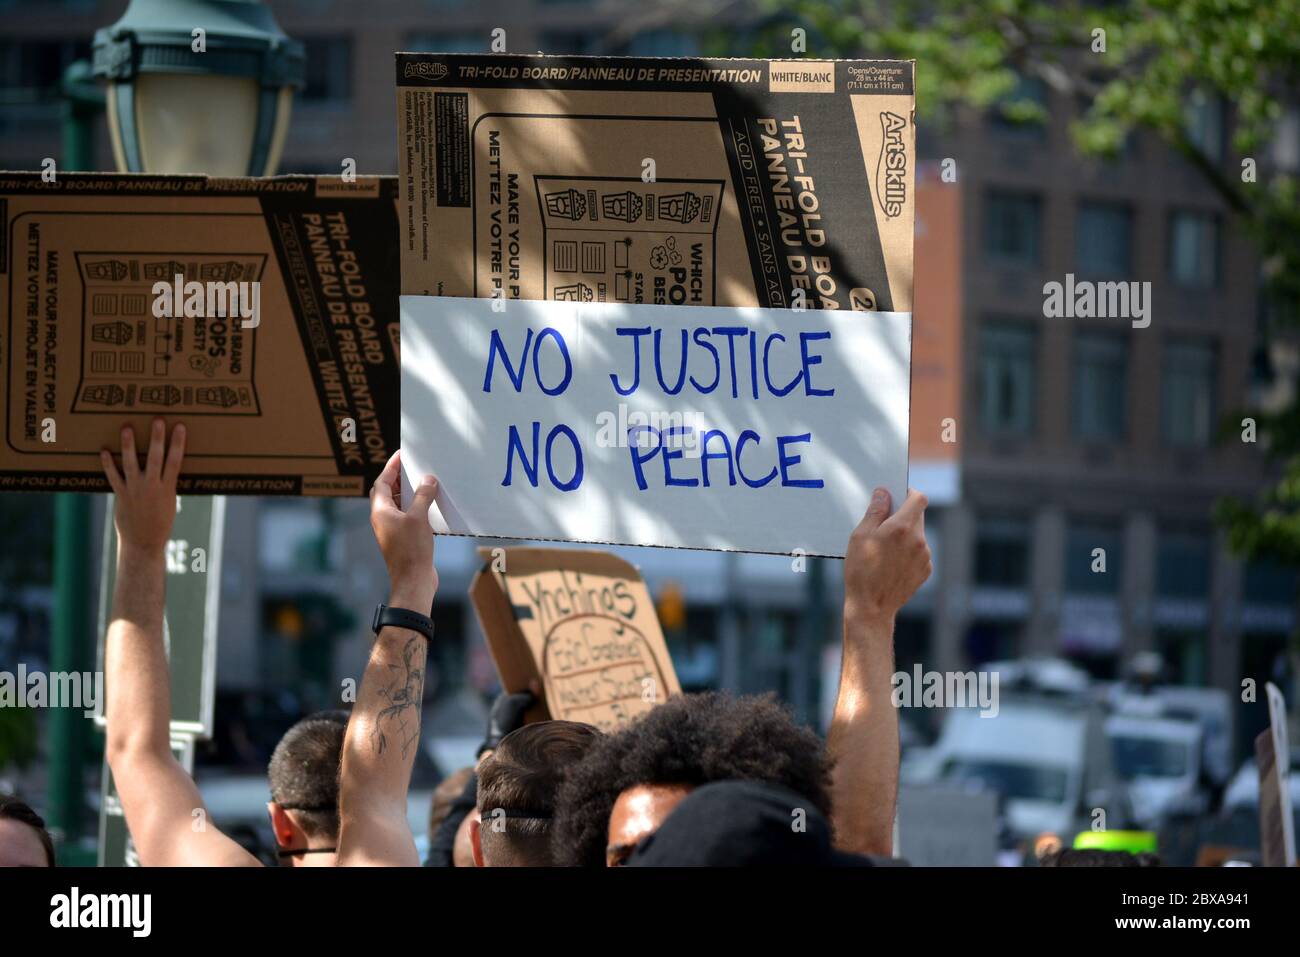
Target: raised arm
[(164, 811), (384, 731), (887, 561)]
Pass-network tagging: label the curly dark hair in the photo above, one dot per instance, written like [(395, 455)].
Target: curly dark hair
[(691, 739)]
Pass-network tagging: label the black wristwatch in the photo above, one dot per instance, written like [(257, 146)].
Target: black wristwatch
[(402, 618)]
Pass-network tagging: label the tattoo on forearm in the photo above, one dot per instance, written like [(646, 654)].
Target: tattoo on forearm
[(403, 699)]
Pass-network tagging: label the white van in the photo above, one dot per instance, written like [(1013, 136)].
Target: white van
[(1160, 761), (1048, 761)]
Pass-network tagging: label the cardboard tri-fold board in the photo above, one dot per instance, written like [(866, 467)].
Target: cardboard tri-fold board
[(578, 623), (657, 181), (306, 402)]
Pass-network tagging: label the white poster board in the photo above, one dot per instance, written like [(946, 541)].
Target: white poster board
[(1282, 770), (551, 420)]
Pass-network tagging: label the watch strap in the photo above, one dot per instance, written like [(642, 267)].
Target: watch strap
[(402, 618)]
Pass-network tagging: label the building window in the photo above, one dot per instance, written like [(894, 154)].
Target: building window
[(450, 41), (1013, 227), (1187, 394), (1194, 249), (1203, 122), (1002, 552), (1286, 141), (329, 70), (1023, 111), (1183, 651), (1269, 583), (663, 43), (1183, 565), (1100, 386), (1007, 378), (572, 42), (1103, 238), (1082, 540), (993, 640), (31, 70)]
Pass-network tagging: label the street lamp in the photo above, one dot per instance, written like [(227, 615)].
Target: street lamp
[(198, 86)]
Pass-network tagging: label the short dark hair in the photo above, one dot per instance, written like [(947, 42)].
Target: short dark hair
[(691, 739), (517, 789), (304, 771), (13, 809)]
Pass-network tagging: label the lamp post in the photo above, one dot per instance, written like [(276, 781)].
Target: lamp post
[(192, 86), (198, 86), (70, 650)]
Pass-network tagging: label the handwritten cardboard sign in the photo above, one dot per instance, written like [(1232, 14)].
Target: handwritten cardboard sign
[(757, 430), (579, 623)]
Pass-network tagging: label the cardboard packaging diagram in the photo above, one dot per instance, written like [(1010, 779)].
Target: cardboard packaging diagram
[(657, 181), (301, 399)]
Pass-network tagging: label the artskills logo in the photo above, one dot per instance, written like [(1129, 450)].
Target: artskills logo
[(891, 168), (426, 70)]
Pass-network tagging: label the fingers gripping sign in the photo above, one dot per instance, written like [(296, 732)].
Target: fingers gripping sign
[(405, 538), (888, 558), (145, 498)]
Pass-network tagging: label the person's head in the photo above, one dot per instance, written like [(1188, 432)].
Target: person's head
[(517, 787), (304, 779), (24, 841), (632, 780)]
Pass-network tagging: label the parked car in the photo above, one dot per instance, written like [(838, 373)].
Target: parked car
[(1209, 708)]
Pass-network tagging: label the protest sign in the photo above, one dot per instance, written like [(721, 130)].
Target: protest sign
[(759, 430), (661, 181), (578, 623), (1273, 758), (119, 302)]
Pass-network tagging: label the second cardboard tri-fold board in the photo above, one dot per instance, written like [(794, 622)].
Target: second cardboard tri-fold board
[(300, 400), (657, 181)]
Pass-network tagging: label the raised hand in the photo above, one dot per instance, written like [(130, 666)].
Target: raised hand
[(405, 538), (888, 558), (145, 498)]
